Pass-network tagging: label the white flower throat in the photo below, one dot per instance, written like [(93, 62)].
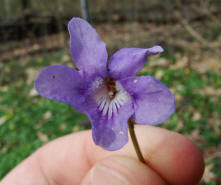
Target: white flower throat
[(109, 96)]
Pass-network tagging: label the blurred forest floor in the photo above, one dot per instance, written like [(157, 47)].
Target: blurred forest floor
[(190, 67)]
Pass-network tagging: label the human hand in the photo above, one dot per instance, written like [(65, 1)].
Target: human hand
[(74, 159)]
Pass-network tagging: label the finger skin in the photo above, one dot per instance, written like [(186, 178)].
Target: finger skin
[(126, 170), (68, 159)]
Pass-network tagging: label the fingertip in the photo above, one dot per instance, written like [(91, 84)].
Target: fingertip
[(177, 159), (189, 162)]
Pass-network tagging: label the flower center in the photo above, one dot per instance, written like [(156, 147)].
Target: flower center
[(111, 86), (110, 96)]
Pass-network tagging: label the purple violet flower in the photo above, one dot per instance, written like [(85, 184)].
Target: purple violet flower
[(109, 97)]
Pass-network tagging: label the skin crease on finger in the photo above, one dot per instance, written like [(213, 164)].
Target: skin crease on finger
[(171, 155), (130, 170)]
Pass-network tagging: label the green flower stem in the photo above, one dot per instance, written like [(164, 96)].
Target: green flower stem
[(134, 140)]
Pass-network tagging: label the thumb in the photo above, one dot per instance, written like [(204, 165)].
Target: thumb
[(121, 170)]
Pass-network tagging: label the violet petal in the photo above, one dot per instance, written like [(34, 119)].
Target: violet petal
[(61, 83), (110, 133), (153, 101), (128, 61), (88, 51)]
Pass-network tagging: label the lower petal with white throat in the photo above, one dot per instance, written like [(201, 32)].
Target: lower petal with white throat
[(110, 98), (109, 111)]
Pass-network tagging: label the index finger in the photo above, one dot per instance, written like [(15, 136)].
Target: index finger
[(66, 160)]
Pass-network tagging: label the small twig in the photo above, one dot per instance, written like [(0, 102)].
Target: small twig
[(194, 33)]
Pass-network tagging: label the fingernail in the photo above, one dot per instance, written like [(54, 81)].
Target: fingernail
[(101, 175)]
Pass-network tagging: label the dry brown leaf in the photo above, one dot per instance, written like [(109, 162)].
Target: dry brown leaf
[(62, 127), (180, 87), (195, 135), (4, 88), (31, 74), (181, 63), (43, 137), (212, 152), (179, 126), (207, 64), (2, 120), (33, 92), (76, 128), (47, 115), (196, 116), (156, 61), (208, 176), (65, 58), (159, 74), (210, 91), (178, 97), (190, 109)]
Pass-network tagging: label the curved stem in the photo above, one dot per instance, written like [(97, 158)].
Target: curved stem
[(134, 140)]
